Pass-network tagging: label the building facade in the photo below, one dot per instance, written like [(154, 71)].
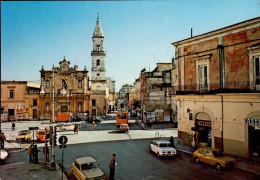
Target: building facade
[(19, 100), (215, 79), (66, 87)]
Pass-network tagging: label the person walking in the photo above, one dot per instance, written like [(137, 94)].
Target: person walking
[(93, 125), (172, 141), (13, 126), (3, 138), (35, 154), (112, 167), (30, 154)]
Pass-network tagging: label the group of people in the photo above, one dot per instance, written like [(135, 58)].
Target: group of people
[(33, 154), (2, 140)]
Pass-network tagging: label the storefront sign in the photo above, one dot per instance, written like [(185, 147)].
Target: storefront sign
[(204, 123), (252, 121)]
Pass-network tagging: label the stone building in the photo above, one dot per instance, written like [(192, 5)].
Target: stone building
[(216, 80), (68, 86), (19, 100)]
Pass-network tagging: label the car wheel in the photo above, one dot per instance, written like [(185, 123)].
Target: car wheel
[(218, 166), (197, 160)]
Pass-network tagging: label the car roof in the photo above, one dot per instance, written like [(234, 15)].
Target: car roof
[(210, 148), (25, 131), (162, 141), (83, 160)]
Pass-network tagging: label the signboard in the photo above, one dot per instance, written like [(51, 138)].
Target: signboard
[(63, 140), (204, 123), (252, 121)]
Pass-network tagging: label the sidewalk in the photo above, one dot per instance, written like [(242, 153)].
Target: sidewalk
[(25, 170)]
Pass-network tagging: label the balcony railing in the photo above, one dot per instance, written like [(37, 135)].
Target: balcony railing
[(230, 87), (98, 53)]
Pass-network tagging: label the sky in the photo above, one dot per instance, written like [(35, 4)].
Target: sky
[(138, 34)]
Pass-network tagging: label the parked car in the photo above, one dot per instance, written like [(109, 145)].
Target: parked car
[(41, 136), (213, 157), (25, 135), (162, 148), (87, 168), (65, 127), (97, 119), (124, 128)]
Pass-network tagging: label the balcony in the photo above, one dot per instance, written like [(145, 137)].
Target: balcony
[(214, 88), (98, 53)]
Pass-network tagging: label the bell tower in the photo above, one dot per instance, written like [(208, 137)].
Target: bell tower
[(98, 70)]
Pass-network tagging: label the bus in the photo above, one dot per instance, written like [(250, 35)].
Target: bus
[(121, 118)]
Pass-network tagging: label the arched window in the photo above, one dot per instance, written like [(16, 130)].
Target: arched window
[(80, 83), (47, 83), (98, 74), (98, 63), (98, 47), (64, 83)]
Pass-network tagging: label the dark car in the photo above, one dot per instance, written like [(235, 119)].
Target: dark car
[(97, 119)]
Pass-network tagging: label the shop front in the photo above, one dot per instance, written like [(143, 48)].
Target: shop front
[(203, 133), (253, 137)]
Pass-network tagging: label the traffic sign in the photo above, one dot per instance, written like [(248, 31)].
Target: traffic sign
[(63, 140)]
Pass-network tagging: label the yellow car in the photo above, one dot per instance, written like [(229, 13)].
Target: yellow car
[(87, 168), (213, 157), (25, 135)]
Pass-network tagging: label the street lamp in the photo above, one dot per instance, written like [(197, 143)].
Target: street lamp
[(52, 164)]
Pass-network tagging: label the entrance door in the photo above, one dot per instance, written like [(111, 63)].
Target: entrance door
[(10, 114), (94, 112), (64, 108), (204, 133), (34, 113), (254, 143)]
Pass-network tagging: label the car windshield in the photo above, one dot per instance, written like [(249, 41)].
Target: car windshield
[(23, 133), (218, 153), (87, 166), (165, 145)]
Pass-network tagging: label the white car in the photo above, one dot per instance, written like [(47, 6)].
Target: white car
[(65, 127), (162, 148)]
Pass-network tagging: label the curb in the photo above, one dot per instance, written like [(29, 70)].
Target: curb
[(17, 151)]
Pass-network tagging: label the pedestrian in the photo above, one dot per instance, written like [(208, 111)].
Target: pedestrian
[(3, 138), (13, 126), (35, 154), (112, 167), (93, 125), (75, 129), (30, 154), (172, 141)]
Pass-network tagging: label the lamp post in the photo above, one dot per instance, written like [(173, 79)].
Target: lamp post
[(52, 164)]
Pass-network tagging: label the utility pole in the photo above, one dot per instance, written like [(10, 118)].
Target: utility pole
[(52, 164)]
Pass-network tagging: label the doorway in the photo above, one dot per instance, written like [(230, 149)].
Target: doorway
[(203, 133), (253, 140), (34, 113)]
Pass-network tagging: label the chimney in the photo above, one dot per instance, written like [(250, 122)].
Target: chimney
[(191, 32)]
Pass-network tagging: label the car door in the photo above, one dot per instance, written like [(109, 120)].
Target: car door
[(201, 155), (209, 158)]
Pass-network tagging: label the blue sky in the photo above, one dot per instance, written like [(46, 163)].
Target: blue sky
[(137, 34)]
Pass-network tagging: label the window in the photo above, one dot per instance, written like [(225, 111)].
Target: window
[(93, 102), (203, 76), (47, 83), (79, 106), (47, 107), (35, 102), (64, 83), (98, 63), (201, 151), (80, 83), (11, 94), (98, 47), (257, 72), (98, 74)]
